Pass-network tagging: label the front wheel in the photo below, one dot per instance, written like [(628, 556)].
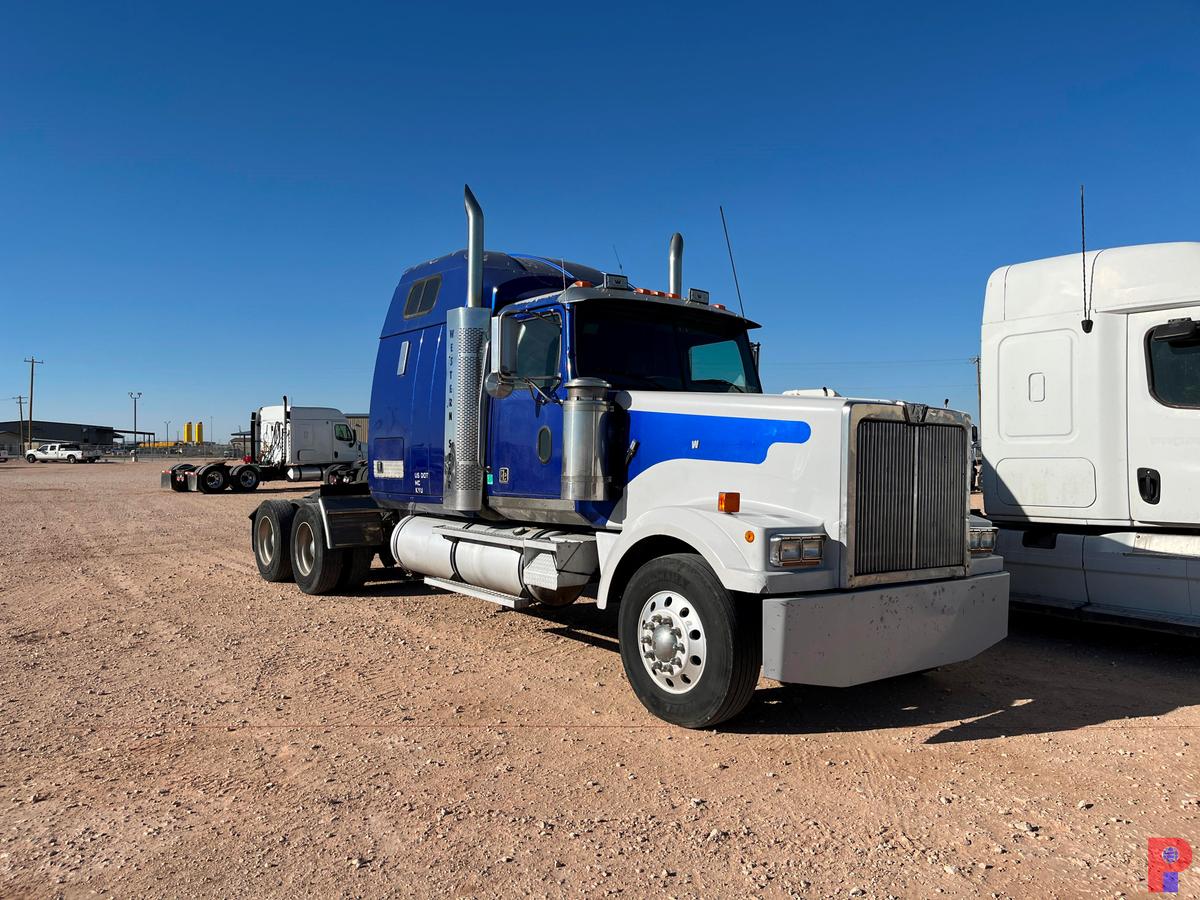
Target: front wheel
[(691, 651), (30, 458)]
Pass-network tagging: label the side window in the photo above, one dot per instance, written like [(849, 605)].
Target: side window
[(421, 296), (538, 347), (343, 433), (1173, 361)]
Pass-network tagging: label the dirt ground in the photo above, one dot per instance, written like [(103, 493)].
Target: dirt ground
[(174, 726)]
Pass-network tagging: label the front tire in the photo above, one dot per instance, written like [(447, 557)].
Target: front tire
[(30, 458), (315, 567), (691, 651), (271, 538)]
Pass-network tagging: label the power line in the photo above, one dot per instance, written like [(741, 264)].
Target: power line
[(960, 360)]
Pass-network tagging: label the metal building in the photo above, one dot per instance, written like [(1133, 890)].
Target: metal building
[(358, 421), (43, 431)]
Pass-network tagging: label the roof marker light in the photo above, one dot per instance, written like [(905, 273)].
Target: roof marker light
[(581, 283)]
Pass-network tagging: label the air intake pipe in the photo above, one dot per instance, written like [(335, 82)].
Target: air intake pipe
[(675, 275), (466, 339)]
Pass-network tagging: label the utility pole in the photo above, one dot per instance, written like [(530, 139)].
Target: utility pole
[(167, 431), (32, 362), (134, 397), (20, 398)]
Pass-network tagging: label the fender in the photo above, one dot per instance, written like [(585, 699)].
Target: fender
[(716, 536)]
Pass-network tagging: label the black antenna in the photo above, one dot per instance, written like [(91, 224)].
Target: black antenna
[(1087, 312), (732, 265), (618, 256)]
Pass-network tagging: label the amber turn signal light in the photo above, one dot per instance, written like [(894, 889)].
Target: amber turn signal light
[(729, 502)]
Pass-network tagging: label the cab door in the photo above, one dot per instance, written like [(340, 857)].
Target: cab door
[(1164, 416), (525, 428)]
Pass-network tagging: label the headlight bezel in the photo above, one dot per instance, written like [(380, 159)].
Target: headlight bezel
[(982, 539), (796, 551)]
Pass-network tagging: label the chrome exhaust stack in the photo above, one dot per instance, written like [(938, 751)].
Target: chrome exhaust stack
[(466, 339), (474, 249), (675, 259)]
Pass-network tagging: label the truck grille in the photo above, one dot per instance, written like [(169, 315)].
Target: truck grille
[(910, 497)]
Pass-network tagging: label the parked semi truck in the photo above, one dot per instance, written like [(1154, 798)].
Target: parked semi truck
[(1091, 430), (539, 427), (287, 443)]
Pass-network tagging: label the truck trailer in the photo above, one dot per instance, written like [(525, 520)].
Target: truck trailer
[(1090, 424), (287, 443), (540, 428)]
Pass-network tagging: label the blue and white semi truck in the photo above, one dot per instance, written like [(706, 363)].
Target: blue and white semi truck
[(541, 429)]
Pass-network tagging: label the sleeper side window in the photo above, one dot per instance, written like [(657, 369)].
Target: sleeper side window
[(422, 296)]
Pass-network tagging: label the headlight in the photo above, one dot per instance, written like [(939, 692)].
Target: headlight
[(797, 549), (983, 540)]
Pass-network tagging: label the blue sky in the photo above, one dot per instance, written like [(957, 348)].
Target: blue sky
[(212, 203)]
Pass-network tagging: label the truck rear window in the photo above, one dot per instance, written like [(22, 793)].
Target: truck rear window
[(1175, 372)]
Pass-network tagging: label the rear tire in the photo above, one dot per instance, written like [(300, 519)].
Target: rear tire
[(212, 479), (271, 539), (243, 479), (179, 476), (692, 652), (356, 568), (315, 567), (72, 460)]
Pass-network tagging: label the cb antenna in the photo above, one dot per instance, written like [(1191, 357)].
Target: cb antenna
[(732, 265), (618, 256), (1087, 311)]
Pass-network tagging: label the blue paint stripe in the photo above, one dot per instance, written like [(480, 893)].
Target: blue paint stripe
[(666, 436)]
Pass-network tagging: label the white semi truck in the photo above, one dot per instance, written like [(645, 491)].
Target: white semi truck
[(540, 429), (287, 443), (1091, 430)]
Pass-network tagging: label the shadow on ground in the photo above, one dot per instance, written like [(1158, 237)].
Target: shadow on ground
[(1050, 675)]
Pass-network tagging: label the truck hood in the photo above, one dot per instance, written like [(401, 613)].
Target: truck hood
[(782, 454)]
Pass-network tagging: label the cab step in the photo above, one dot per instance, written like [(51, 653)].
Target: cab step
[(481, 593)]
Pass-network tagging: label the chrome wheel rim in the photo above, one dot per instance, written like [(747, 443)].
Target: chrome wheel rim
[(266, 541), (306, 548), (671, 642)]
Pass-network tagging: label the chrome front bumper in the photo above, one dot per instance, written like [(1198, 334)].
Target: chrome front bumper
[(845, 638)]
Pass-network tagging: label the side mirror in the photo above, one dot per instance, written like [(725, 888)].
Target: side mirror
[(503, 346)]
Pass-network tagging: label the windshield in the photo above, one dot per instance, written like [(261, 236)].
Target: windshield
[(645, 346)]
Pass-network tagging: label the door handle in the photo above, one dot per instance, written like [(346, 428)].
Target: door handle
[(1149, 485)]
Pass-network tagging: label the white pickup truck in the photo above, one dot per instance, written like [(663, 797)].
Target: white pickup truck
[(70, 453)]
